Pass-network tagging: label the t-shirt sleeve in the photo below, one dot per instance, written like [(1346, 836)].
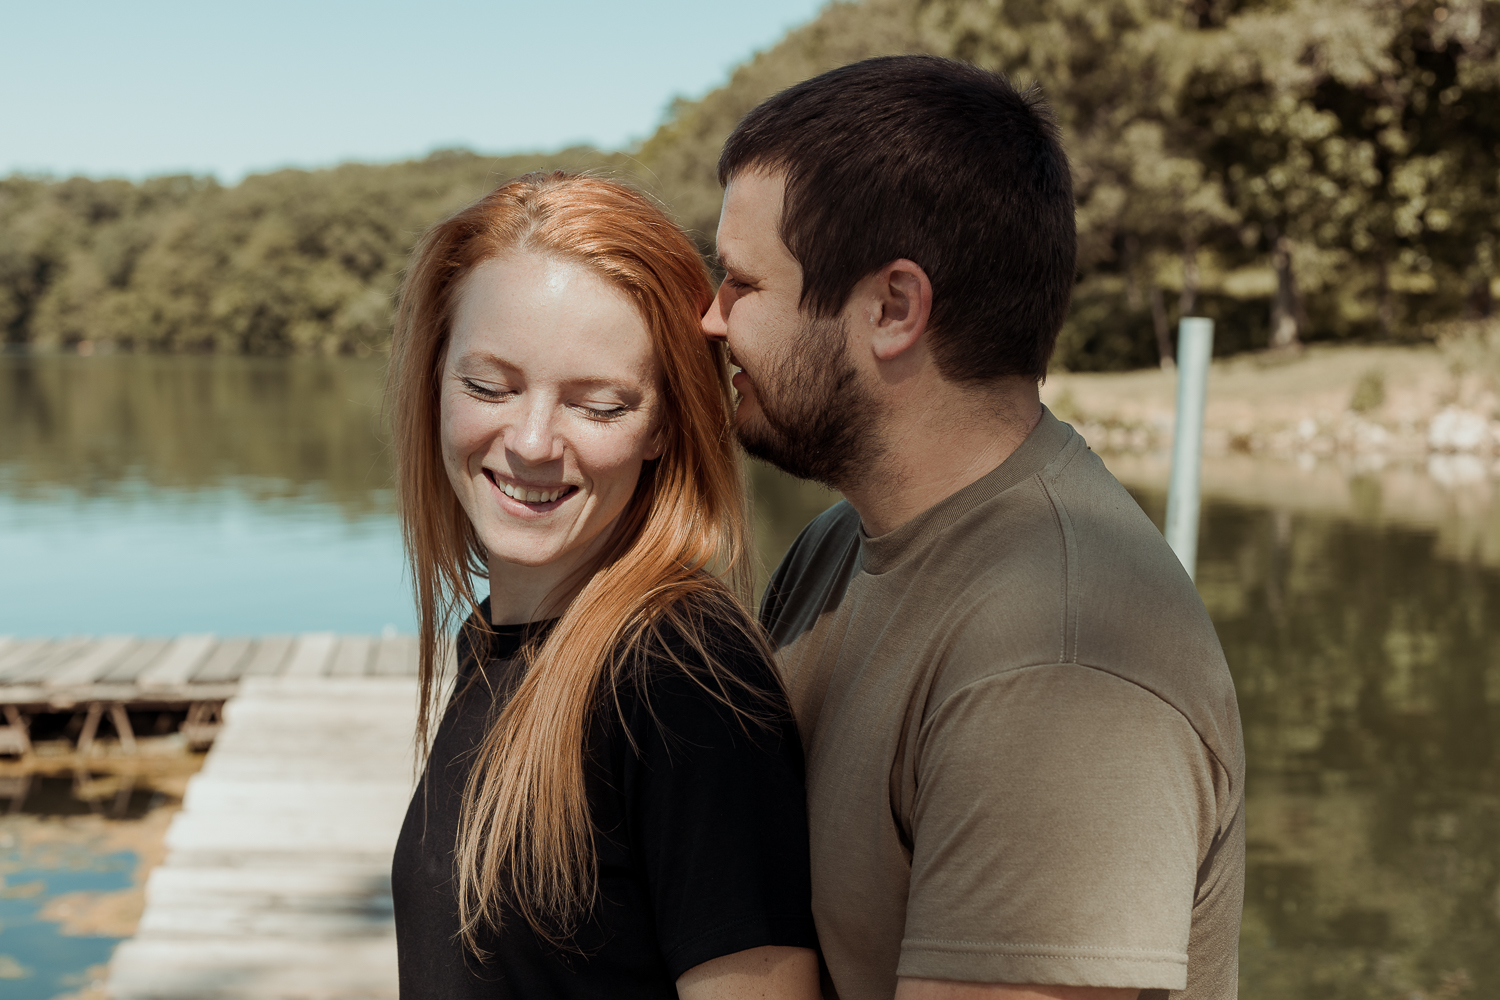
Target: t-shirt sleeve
[(718, 813), (1055, 833)]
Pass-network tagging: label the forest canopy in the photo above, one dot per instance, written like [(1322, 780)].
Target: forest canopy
[(1297, 169)]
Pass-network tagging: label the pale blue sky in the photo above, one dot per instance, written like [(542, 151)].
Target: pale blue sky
[(104, 87)]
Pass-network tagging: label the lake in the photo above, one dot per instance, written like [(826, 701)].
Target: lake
[(158, 495)]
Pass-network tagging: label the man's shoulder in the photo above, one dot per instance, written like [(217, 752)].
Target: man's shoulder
[(837, 526), (825, 552), (1090, 582)]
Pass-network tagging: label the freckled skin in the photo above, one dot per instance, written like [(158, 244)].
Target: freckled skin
[(549, 380)]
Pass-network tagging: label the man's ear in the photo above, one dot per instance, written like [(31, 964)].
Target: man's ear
[(898, 301)]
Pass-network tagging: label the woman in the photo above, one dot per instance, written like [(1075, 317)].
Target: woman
[(612, 804)]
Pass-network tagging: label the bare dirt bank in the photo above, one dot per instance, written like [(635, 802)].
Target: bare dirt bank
[(1409, 435)]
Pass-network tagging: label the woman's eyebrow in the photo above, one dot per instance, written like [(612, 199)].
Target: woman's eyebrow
[(625, 384), (483, 358), (600, 382)]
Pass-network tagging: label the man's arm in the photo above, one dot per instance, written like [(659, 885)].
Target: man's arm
[(939, 989), (1055, 838)]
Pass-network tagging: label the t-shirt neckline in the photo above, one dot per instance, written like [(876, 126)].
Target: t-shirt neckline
[(503, 641), (882, 553)]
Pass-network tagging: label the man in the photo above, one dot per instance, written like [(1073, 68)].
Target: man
[(1024, 762)]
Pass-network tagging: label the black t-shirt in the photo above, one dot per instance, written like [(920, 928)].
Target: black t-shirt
[(700, 829)]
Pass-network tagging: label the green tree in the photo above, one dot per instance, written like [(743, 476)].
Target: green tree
[(1295, 169)]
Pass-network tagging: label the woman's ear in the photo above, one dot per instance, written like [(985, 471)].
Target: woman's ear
[(658, 443)]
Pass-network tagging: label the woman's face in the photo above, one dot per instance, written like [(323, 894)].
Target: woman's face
[(548, 408)]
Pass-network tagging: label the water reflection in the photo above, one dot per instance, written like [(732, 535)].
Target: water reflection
[(75, 846), (158, 495), (1368, 671), (1359, 618), (273, 427)]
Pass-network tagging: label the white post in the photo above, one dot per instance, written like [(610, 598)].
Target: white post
[(1195, 348)]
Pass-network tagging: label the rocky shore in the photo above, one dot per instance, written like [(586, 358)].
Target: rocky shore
[(1433, 407), (1408, 436)]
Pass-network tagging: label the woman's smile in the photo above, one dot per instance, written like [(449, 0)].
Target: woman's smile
[(531, 499)]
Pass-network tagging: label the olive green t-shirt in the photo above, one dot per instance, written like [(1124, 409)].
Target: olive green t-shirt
[(1024, 757)]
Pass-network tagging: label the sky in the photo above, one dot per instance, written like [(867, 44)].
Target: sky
[(141, 88)]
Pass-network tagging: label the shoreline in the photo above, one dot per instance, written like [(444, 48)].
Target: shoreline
[(1407, 436), (1373, 405)]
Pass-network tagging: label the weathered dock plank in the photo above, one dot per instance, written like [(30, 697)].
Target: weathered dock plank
[(138, 659), (255, 968), (310, 655), (17, 653), (269, 656), (59, 658), (396, 656), (33, 668), (177, 662), (352, 657), (276, 884), (59, 674), (225, 662), (91, 662)]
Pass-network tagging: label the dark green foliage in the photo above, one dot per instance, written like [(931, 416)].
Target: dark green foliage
[(1296, 169), (289, 262)]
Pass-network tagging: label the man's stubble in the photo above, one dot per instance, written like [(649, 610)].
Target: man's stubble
[(819, 421)]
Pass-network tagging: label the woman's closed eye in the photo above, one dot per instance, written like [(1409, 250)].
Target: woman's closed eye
[(481, 389), (603, 411)]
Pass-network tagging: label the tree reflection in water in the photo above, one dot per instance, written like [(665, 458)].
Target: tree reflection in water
[(1368, 671)]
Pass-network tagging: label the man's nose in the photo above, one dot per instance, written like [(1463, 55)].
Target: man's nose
[(714, 327)]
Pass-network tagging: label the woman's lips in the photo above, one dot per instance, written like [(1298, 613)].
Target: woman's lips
[(518, 497)]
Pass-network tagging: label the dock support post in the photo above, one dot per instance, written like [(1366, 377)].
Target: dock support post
[(202, 725), (117, 715), (15, 736), (1195, 348), (15, 788)]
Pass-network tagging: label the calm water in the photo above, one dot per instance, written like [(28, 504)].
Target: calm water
[(67, 871), (160, 495), (1368, 671)]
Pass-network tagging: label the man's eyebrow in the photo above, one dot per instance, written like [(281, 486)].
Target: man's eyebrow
[(727, 264)]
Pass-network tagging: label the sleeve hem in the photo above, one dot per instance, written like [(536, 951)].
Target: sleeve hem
[(789, 931), (1043, 965)]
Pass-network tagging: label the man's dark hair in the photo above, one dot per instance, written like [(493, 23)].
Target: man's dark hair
[(943, 164)]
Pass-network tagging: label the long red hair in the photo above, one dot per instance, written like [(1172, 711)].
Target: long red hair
[(525, 835)]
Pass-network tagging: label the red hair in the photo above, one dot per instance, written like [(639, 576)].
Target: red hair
[(525, 834)]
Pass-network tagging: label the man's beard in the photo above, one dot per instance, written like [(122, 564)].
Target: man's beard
[(818, 417)]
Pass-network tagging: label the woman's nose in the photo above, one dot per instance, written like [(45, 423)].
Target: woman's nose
[(534, 439)]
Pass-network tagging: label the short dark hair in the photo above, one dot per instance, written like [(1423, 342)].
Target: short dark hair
[(939, 162)]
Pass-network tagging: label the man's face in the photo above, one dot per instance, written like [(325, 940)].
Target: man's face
[(803, 405)]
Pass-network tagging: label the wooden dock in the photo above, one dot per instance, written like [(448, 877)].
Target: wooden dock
[(276, 885), (107, 678)]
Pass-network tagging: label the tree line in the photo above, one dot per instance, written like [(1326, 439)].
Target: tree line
[(1296, 169)]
